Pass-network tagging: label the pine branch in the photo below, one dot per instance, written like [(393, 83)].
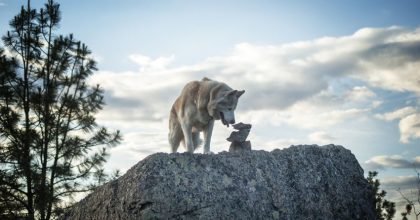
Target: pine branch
[(69, 192)]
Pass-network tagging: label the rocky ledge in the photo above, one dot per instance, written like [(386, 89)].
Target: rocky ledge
[(299, 182)]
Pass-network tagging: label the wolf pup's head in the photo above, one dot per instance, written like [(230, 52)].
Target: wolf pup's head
[(223, 107)]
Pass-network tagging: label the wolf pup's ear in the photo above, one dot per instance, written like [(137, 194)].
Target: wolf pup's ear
[(239, 93)]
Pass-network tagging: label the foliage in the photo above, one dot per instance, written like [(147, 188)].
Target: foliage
[(50, 144), (410, 207), (385, 210)]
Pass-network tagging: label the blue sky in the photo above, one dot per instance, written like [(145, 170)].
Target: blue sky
[(194, 30), (343, 72)]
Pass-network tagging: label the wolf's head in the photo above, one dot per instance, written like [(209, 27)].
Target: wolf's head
[(224, 105)]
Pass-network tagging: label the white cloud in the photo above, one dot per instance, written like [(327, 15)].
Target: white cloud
[(98, 58), (278, 143), (360, 93), (304, 115), (321, 137), (395, 161), (147, 63), (397, 114), (135, 147), (409, 124), (288, 84), (320, 112), (269, 144), (325, 119), (409, 128), (391, 62), (8, 53), (2, 4), (399, 182), (277, 77), (376, 103)]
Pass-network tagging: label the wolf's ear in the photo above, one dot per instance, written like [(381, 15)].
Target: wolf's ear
[(239, 93), (231, 93)]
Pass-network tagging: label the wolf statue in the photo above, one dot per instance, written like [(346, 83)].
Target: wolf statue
[(196, 109)]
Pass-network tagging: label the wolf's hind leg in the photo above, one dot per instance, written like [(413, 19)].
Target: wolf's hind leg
[(187, 132)]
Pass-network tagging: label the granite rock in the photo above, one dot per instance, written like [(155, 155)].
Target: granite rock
[(299, 182), (236, 147)]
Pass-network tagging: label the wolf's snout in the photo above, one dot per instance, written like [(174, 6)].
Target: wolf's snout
[(225, 120), (222, 117)]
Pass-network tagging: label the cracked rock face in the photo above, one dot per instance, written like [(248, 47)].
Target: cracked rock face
[(300, 182)]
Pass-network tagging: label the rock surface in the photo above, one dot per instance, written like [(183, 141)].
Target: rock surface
[(300, 182), (239, 146)]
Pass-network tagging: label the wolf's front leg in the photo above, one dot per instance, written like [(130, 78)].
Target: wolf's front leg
[(187, 131), (207, 136)]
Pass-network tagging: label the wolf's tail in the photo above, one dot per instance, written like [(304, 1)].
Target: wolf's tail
[(175, 135)]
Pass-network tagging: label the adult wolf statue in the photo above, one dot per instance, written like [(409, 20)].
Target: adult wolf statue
[(196, 109)]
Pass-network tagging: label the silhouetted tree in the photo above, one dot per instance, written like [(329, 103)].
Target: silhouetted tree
[(385, 210), (50, 145), (410, 207)]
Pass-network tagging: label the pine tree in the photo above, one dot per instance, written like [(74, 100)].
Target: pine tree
[(51, 147), (385, 210)]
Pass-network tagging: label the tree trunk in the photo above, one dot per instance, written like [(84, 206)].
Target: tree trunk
[(27, 144)]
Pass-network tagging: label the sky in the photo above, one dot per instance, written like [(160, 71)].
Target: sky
[(314, 72)]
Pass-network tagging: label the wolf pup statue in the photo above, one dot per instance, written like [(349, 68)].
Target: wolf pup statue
[(194, 111)]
